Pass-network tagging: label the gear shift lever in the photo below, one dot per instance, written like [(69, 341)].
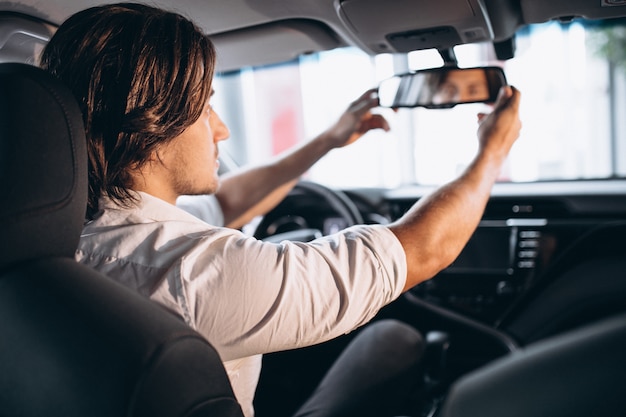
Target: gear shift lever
[(437, 345)]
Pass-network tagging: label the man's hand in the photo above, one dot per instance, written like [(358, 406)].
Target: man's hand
[(498, 130), (357, 120)]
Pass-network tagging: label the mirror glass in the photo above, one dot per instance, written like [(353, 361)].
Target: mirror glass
[(442, 88)]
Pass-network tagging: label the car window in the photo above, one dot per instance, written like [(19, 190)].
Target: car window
[(573, 96)]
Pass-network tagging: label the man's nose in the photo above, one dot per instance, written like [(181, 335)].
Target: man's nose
[(220, 130)]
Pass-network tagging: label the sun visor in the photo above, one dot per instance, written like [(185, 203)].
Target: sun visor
[(408, 25), (289, 39)]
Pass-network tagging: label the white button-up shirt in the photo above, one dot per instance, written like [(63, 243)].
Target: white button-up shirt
[(247, 297)]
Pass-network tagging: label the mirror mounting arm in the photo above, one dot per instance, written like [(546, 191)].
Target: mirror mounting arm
[(449, 57)]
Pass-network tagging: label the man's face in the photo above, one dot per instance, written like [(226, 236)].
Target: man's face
[(191, 158), (463, 86)]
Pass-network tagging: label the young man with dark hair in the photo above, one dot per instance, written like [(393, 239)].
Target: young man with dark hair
[(143, 77)]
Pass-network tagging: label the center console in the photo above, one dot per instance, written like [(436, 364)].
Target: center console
[(502, 259)]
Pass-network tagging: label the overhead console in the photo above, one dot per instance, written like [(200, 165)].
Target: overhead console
[(386, 27)]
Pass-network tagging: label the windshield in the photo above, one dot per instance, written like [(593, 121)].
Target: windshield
[(572, 99)]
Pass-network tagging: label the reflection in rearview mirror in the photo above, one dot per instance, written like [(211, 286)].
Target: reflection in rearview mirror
[(443, 87)]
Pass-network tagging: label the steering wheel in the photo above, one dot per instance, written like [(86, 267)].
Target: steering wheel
[(296, 218)]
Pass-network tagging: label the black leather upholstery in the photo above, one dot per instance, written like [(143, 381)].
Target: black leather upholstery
[(73, 342), (577, 374), (43, 179), (585, 284)]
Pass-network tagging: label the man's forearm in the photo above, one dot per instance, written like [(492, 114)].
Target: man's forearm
[(256, 190), (435, 230)]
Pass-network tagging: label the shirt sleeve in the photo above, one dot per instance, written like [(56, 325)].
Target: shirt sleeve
[(205, 207), (250, 297)]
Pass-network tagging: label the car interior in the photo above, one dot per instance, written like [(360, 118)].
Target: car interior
[(529, 320)]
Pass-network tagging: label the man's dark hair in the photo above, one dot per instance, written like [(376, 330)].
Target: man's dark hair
[(141, 76)]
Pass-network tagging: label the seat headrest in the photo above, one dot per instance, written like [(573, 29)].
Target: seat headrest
[(43, 166)]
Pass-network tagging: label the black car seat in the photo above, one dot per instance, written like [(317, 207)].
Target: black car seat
[(72, 341), (585, 284), (579, 373)]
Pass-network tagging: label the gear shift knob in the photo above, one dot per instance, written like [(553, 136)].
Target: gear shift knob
[(437, 345)]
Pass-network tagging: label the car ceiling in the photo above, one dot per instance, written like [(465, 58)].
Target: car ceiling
[(257, 32)]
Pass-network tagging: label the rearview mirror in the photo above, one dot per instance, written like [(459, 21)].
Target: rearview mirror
[(442, 88)]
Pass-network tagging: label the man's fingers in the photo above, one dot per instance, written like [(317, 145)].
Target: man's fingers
[(368, 100), (373, 121)]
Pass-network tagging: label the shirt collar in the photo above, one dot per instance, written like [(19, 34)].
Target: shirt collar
[(150, 207)]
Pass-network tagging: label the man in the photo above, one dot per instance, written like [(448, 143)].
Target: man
[(143, 79)]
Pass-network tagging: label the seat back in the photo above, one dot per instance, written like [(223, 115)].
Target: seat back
[(580, 373), (585, 284), (75, 343)]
